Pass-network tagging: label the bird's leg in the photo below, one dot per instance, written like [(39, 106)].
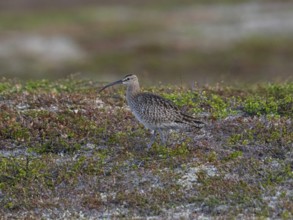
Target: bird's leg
[(153, 137), (163, 137)]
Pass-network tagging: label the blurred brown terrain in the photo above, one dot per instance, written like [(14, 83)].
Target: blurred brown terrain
[(170, 41)]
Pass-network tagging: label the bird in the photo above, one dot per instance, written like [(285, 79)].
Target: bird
[(155, 112)]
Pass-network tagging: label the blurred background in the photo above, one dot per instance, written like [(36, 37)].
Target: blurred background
[(173, 41)]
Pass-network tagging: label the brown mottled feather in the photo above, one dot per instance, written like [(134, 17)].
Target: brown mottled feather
[(157, 112)]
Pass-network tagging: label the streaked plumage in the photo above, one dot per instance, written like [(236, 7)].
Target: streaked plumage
[(155, 112)]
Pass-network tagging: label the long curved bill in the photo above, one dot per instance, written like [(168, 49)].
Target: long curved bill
[(111, 84)]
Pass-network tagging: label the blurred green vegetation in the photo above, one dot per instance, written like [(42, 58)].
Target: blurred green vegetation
[(144, 40)]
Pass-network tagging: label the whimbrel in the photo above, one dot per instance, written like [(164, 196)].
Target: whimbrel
[(155, 112)]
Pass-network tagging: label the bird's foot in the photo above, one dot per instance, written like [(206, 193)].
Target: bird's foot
[(149, 145), (164, 137)]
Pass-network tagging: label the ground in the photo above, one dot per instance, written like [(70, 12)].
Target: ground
[(67, 152)]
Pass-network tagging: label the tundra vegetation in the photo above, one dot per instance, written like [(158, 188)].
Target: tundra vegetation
[(68, 152)]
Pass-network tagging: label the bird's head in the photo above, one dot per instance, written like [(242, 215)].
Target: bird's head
[(127, 80)]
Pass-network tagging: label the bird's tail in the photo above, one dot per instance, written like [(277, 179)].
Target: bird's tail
[(191, 121)]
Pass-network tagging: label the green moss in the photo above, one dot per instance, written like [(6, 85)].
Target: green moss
[(4, 86), (234, 155), (56, 145), (16, 131), (219, 107), (273, 99), (244, 138), (17, 177)]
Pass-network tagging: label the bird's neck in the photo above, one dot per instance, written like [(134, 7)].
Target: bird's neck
[(132, 90)]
